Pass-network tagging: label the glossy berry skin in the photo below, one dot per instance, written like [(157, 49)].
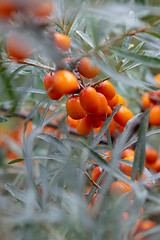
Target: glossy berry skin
[(17, 47), (113, 102), (151, 155), (84, 125), (86, 68), (62, 41), (107, 89), (71, 122), (103, 107), (154, 118), (74, 108), (146, 102), (65, 82), (123, 115), (89, 100), (155, 166), (118, 188), (121, 100), (96, 172), (49, 84), (127, 169), (127, 153)]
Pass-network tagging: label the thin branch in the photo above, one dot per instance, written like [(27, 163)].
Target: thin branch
[(99, 81), (91, 180)]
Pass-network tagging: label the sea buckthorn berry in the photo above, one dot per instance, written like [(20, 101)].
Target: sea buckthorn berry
[(144, 225), (109, 155), (62, 41), (84, 125), (103, 107), (151, 155), (107, 89), (154, 118), (113, 101), (74, 108), (157, 79), (17, 46), (97, 121), (123, 115), (119, 187), (89, 99), (109, 111), (65, 82), (49, 84), (7, 8), (112, 127), (121, 100), (155, 166), (43, 9), (87, 69), (96, 172), (146, 102), (154, 96), (127, 153), (71, 122), (127, 169)]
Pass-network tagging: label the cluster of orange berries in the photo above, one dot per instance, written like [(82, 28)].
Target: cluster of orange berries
[(152, 100), (31, 8)]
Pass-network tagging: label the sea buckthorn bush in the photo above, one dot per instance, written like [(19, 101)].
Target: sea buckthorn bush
[(79, 119)]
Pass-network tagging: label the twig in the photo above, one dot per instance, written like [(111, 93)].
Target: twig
[(91, 180), (99, 81)]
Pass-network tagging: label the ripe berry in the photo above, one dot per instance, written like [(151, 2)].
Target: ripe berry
[(43, 9), (154, 118), (17, 46), (103, 107), (127, 153), (84, 125), (118, 188), (113, 102), (123, 115), (89, 100), (107, 89), (7, 8), (87, 69), (127, 169), (71, 122), (74, 108), (65, 82), (49, 84), (62, 41), (146, 102), (151, 155), (96, 172)]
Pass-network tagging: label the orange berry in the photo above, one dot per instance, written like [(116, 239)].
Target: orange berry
[(127, 169), (157, 78), (7, 8), (49, 84), (17, 46), (113, 102), (146, 102), (112, 127), (89, 100), (97, 121), (118, 188), (109, 111), (154, 96), (109, 154), (154, 118), (71, 122), (84, 125), (151, 155), (121, 100), (103, 107), (127, 153), (155, 166), (62, 41), (107, 89), (65, 82), (74, 108), (86, 68), (123, 115), (96, 172), (43, 10)]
